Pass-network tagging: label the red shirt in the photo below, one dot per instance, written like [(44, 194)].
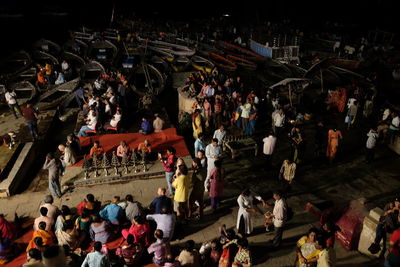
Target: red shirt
[(169, 164), (29, 114), (395, 238)]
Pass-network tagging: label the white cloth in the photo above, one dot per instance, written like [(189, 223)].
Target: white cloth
[(245, 110), (245, 202), (220, 135), (279, 119), (269, 144), (386, 114), (113, 122), (117, 117), (158, 124), (279, 213), (11, 98), (92, 123), (395, 124), (371, 141), (212, 153), (350, 102)]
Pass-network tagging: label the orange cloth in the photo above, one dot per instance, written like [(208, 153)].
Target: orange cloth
[(142, 147), (47, 237), (333, 143), (40, 78), (98, 150), (49, 69)]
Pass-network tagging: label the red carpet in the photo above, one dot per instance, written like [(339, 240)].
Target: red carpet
[(22, 243), (159, 142)]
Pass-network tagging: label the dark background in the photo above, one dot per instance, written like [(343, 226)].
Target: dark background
[(22, 22)]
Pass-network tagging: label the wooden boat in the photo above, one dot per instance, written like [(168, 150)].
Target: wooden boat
[(160, 52), (47, 46), (234, 49), (127, 58), (221, 62), (67, 108), (159, 63), (77, 47), (42, 58), (200, 63), (181, 63), (102, 50), (75, 61), (25, 91), (146, 79), (241, 62), (92, 70), (347, 63), (53, 97), (15, 64), (174, 49)]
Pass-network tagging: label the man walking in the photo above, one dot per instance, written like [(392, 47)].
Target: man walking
[(11, 98), (199, 144), (371, 143), (53, 165), (269, 146), (278, 216), (31, 118), (169, 167), (220, 134), (213, 153), (278, 122)]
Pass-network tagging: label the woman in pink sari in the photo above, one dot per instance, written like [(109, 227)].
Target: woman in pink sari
[(216, 184)]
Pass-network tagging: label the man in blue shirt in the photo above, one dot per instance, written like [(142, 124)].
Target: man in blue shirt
[(199, 144), (161, 201), (113, 212), (145, 126)]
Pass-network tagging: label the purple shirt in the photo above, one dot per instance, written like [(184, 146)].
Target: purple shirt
[(160, 249), (145, 125)]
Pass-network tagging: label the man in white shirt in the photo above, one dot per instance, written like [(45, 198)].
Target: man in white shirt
[(90, 126), (220, 134), (279, 122), (213, 153), (245, 114), (269, 146), (371, 143), (52, 210), (11, 98), (278, 218)]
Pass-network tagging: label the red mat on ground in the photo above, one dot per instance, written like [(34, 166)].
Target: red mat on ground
[(22, 243), (159, 142)]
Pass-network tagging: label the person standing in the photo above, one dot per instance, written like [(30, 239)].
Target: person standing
[(197, 123), (197, 194), (11, 98), (278, 122), (394, 127), (269, 146), (158, 123), (288, 171), (31, 117), (169, 167), (245, 114), (182, 186), (213, 153), (216, 184), (371, 144), (244, 223), (333, 142), (220, 134), (53, 165), (351, 114), (199, 144), (278, 216)]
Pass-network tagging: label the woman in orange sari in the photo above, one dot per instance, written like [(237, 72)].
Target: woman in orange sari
[(47, 237), (333, 143)]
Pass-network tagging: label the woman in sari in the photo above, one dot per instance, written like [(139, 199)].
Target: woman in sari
[(306, 249), (333, 143), (47, 237), (196, 124), (68, 235), (130, 252), (216, 184)]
